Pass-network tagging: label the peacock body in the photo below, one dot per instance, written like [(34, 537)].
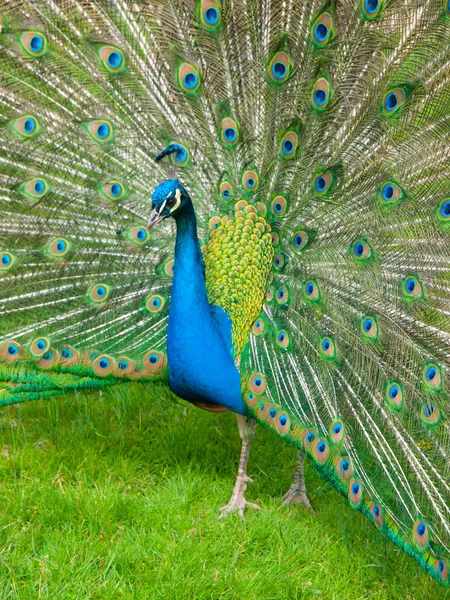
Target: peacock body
[(310, 287)]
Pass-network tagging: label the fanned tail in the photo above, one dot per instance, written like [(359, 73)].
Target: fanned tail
[(332, 120)]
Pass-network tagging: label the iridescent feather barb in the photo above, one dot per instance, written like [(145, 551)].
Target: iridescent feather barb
[(324, 126)]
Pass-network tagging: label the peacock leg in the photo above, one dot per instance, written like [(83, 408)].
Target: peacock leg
[(296, 494), (237, 501)]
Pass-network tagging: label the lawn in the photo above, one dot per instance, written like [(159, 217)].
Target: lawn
[(110, 497)]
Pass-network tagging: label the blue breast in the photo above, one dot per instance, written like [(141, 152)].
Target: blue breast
[(199, 346)]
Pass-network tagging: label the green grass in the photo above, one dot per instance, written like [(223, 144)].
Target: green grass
[(108, 497)]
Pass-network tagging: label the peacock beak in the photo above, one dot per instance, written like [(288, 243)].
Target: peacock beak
[(154, 218)]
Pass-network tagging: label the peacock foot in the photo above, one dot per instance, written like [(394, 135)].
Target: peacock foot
[(237, 501), (296, 495)]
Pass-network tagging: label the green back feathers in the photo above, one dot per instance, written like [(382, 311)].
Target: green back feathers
[(238, 260)]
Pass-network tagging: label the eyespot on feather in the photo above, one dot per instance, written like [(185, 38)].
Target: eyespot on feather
[(104, 365), (279, 261), (270, 413), (58, 248), (390, 193), (441, 567), (188, 78), (99, 130), (229, 132), (36, 188), (210, 13), (226, 191), (258, 326), (250, 180), (280, 67), (432, 376), (261, 409), (154, 362), (320, 450), (371, 9), (327, 348), (257, 383), (214, 222), (320, 94), (321, 183), (369, 328), (421, 535), (289, 145), (282, 339), (10, 351), (112, 58), (344, 467), (39, 346), (300, 241), (138, 235), (412, 288), (443, 212), (308, 437), (361, 250), (279, 206), (35, 43), (98, 293), (322, 30), (430, 414), (337, 431), (393, 101), (250, 398), (282, 296), (269, 295), (155, 303), (282, 423), (49, 359), (27, 126), (182, 157), (377, 513), (7, 260), (394, 395), (355, 493), (124, 367), (311, 292), (113, 190), (69, 356), (165, 268)]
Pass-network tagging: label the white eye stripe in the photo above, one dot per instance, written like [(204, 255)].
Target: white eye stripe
[(178, 202), (162, 207)]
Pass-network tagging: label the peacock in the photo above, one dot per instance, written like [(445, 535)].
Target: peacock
[(245, 203)]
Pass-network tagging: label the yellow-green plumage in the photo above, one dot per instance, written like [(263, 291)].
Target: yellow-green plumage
[(238, 261)]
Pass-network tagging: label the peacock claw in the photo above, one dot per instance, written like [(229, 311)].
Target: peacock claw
[(237, 505), (295, 495)]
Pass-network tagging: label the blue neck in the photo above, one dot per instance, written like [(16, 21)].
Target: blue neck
[(188, 287), (199, 346)]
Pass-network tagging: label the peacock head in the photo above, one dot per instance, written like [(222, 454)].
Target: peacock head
[(167, 199)]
